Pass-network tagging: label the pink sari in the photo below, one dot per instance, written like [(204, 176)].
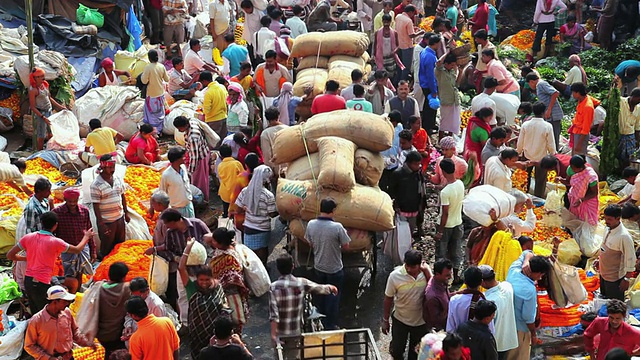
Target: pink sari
[(587, 210)]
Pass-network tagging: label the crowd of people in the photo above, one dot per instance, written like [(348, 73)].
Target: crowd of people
[(515, 124)]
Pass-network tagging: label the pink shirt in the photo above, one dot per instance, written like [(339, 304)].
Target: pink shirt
[(404, 28), (496, 69), (42, 251), (460, 169)]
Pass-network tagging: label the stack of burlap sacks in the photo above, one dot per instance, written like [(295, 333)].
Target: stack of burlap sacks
[(327, 56), (336, 155)]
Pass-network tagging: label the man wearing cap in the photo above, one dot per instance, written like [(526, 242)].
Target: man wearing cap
[(52, 332), (73, 221), (43, 248), (501, 293), (109, 205)]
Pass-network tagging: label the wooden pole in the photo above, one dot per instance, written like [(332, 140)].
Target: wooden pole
[(28, 7)]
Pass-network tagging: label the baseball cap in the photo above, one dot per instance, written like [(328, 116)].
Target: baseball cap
[(57, 292), (487, 271)]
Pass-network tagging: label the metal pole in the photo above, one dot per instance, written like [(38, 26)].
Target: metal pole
[(28, 7)]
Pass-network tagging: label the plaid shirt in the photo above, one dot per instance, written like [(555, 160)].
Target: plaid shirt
[(71, 226), (203, 310), (176, 241), (196, 145), (177, 18), (286, 302), (32, 212)]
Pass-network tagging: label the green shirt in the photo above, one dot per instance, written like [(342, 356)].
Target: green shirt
[(360, 105), (479, 135), (191, 288)]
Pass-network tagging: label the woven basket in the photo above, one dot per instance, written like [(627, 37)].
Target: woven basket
[(461, 51), (463, 60)]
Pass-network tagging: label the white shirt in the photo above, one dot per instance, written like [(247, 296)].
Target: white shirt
[(251, 26), (407, 293), (297, 26), (635, 194), (540, 18), (193, 62), (156, 307), (506, 106), (482, 101), (497, 174), (536, 139), (176, 79), (266, 41), (574, 75), (176, 185), (521, 226), (459, 312), (505, 319), (220, 15), (619, 239)]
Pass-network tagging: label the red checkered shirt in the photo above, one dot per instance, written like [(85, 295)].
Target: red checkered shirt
[(286, 302), (71, 226)]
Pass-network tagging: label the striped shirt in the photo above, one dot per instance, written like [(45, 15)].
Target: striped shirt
[(108, 198), (196, 145), (261, 220)]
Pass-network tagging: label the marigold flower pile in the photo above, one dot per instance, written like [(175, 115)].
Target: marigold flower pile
[(130, 252)]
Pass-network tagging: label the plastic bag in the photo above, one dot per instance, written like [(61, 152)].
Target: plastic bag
[(255, 274), (6, 119), (570, 280), (481, 199), (398, 240), (88, 16), (198, 255), (159, 275), (589, 237), (87, 317), (65, 128), (13, 341), (553, 208), (212, 137)]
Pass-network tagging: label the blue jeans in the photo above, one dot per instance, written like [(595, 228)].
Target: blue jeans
[(329, 305)]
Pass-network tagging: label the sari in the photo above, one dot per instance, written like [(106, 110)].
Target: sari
[(154, 112), (473, 149), (580, 183), (575, 35), (226, 266)]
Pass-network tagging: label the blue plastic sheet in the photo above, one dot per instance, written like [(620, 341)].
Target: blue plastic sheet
[(134, 28), (85, 73)]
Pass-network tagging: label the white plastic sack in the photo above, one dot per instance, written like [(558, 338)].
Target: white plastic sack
[(481, 199), (137, 228), (589, 237), (571, 285), (255, 274), (159, 275), (118, 107), (179, 108), (87, 316), (13, 341), (53, 63), (198, 254), (398, 241), (65, 129), (6, 119)]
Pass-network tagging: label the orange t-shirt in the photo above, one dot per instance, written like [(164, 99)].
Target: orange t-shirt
[(156, 338), (584, 115)]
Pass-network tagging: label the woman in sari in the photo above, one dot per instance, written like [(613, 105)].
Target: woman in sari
[(583, 193), (251, 161), (478, 132), (574, 33), (226, 266), (143, 147)]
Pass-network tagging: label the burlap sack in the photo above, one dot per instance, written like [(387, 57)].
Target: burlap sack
[(350, 43), (300, 170), (360, 239), (336, 163), (366, 57), (314, 77), (340, 71), (369, 131), (358, 61), (308, 62), (368, 167), (363, 207)]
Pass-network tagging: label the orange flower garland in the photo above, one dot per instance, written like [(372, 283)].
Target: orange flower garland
[(464, 119), (522, 40), (130, 252), (426, 23), (569, 316), (86, 353)]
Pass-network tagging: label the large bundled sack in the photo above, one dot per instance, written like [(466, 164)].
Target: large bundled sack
[(317, 78), (118, 107), (52, 62), (320, 62), (369, 131), (360, 61), (368, 167), (304, 168), (340, 71), (64, 129), (348, 42), (363, 207), (360, 239), (336, 163), (132, 62), (481, 199), (180, 108)]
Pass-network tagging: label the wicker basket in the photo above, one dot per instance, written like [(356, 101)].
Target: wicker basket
[(463, 60), (461, 51)]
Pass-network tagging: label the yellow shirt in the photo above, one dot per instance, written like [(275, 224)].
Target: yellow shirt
[(245, 82), (377, 20), (228, 171), (102, 141), (629, 122), (154, 75), (215, 103)]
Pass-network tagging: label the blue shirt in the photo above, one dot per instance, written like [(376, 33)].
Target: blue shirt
[(622, 67), (235, 54), (294, 101), (525, 295), (427, 74), (544, 91)]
